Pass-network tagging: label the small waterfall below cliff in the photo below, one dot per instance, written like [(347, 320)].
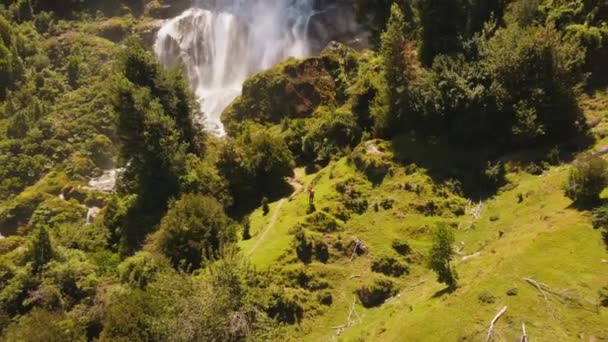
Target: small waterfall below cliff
[(222, 42)]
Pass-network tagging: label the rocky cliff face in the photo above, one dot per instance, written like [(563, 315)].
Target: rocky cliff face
[(335, 20), (220, 43)]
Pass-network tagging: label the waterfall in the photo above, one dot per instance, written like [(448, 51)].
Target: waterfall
[(222, 42)]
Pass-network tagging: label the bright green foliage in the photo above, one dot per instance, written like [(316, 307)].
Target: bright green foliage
[(441, 255), (43, 325), (204, 178), (73, 274), (587, 178), (330, 134), (142, 268), (194, 231)]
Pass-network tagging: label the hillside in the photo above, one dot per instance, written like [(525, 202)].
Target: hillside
[(419, 171)]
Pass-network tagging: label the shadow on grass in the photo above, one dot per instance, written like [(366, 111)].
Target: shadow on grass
[(480, 169), (247, 201), (447, 290)]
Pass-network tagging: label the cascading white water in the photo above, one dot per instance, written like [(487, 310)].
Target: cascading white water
[(222, 42)]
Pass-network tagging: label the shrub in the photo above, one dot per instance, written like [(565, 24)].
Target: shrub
[(401, 247), (325, 298), (587, 178), (604, 296), (265, 207), (487, 297), (389, 266), (284, 307), (246, 229), (194, 231), (321, 222), (330, 134), (141, 269), (376, 293), (599, 217)]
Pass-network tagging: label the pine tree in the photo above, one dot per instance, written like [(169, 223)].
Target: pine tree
[(42, 250), (397, 68)]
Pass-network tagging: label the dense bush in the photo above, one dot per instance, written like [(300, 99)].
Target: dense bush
[(375, 293), (141, 269), (389, 266), (586, 180), (194, 232), (256, 165)]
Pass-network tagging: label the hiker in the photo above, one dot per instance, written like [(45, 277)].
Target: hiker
[(311, 195)]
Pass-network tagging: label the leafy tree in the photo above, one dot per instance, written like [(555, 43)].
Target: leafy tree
[(535, 72), (203, 177), (256, 165), (154, 115), (587, 178), (441, 255), (194, 231)]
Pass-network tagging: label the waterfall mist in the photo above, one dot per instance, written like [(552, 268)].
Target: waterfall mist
[(222, 42)]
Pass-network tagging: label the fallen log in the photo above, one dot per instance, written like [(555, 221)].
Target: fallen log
[(493, 322)]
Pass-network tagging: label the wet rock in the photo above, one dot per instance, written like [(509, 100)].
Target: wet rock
[(336, 21)]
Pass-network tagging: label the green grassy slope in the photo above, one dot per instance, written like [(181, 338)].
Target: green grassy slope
[(543, 238)]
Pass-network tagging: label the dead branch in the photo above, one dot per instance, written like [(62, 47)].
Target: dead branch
[(358, 246), (354, 276), (349, 320), (493, 322), (541, 288), (475, 210), (470, 256), (524, 336)]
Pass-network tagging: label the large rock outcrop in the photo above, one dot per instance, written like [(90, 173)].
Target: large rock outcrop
[(294, 88)]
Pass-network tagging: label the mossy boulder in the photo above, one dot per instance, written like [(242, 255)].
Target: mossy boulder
[(294, 89)]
